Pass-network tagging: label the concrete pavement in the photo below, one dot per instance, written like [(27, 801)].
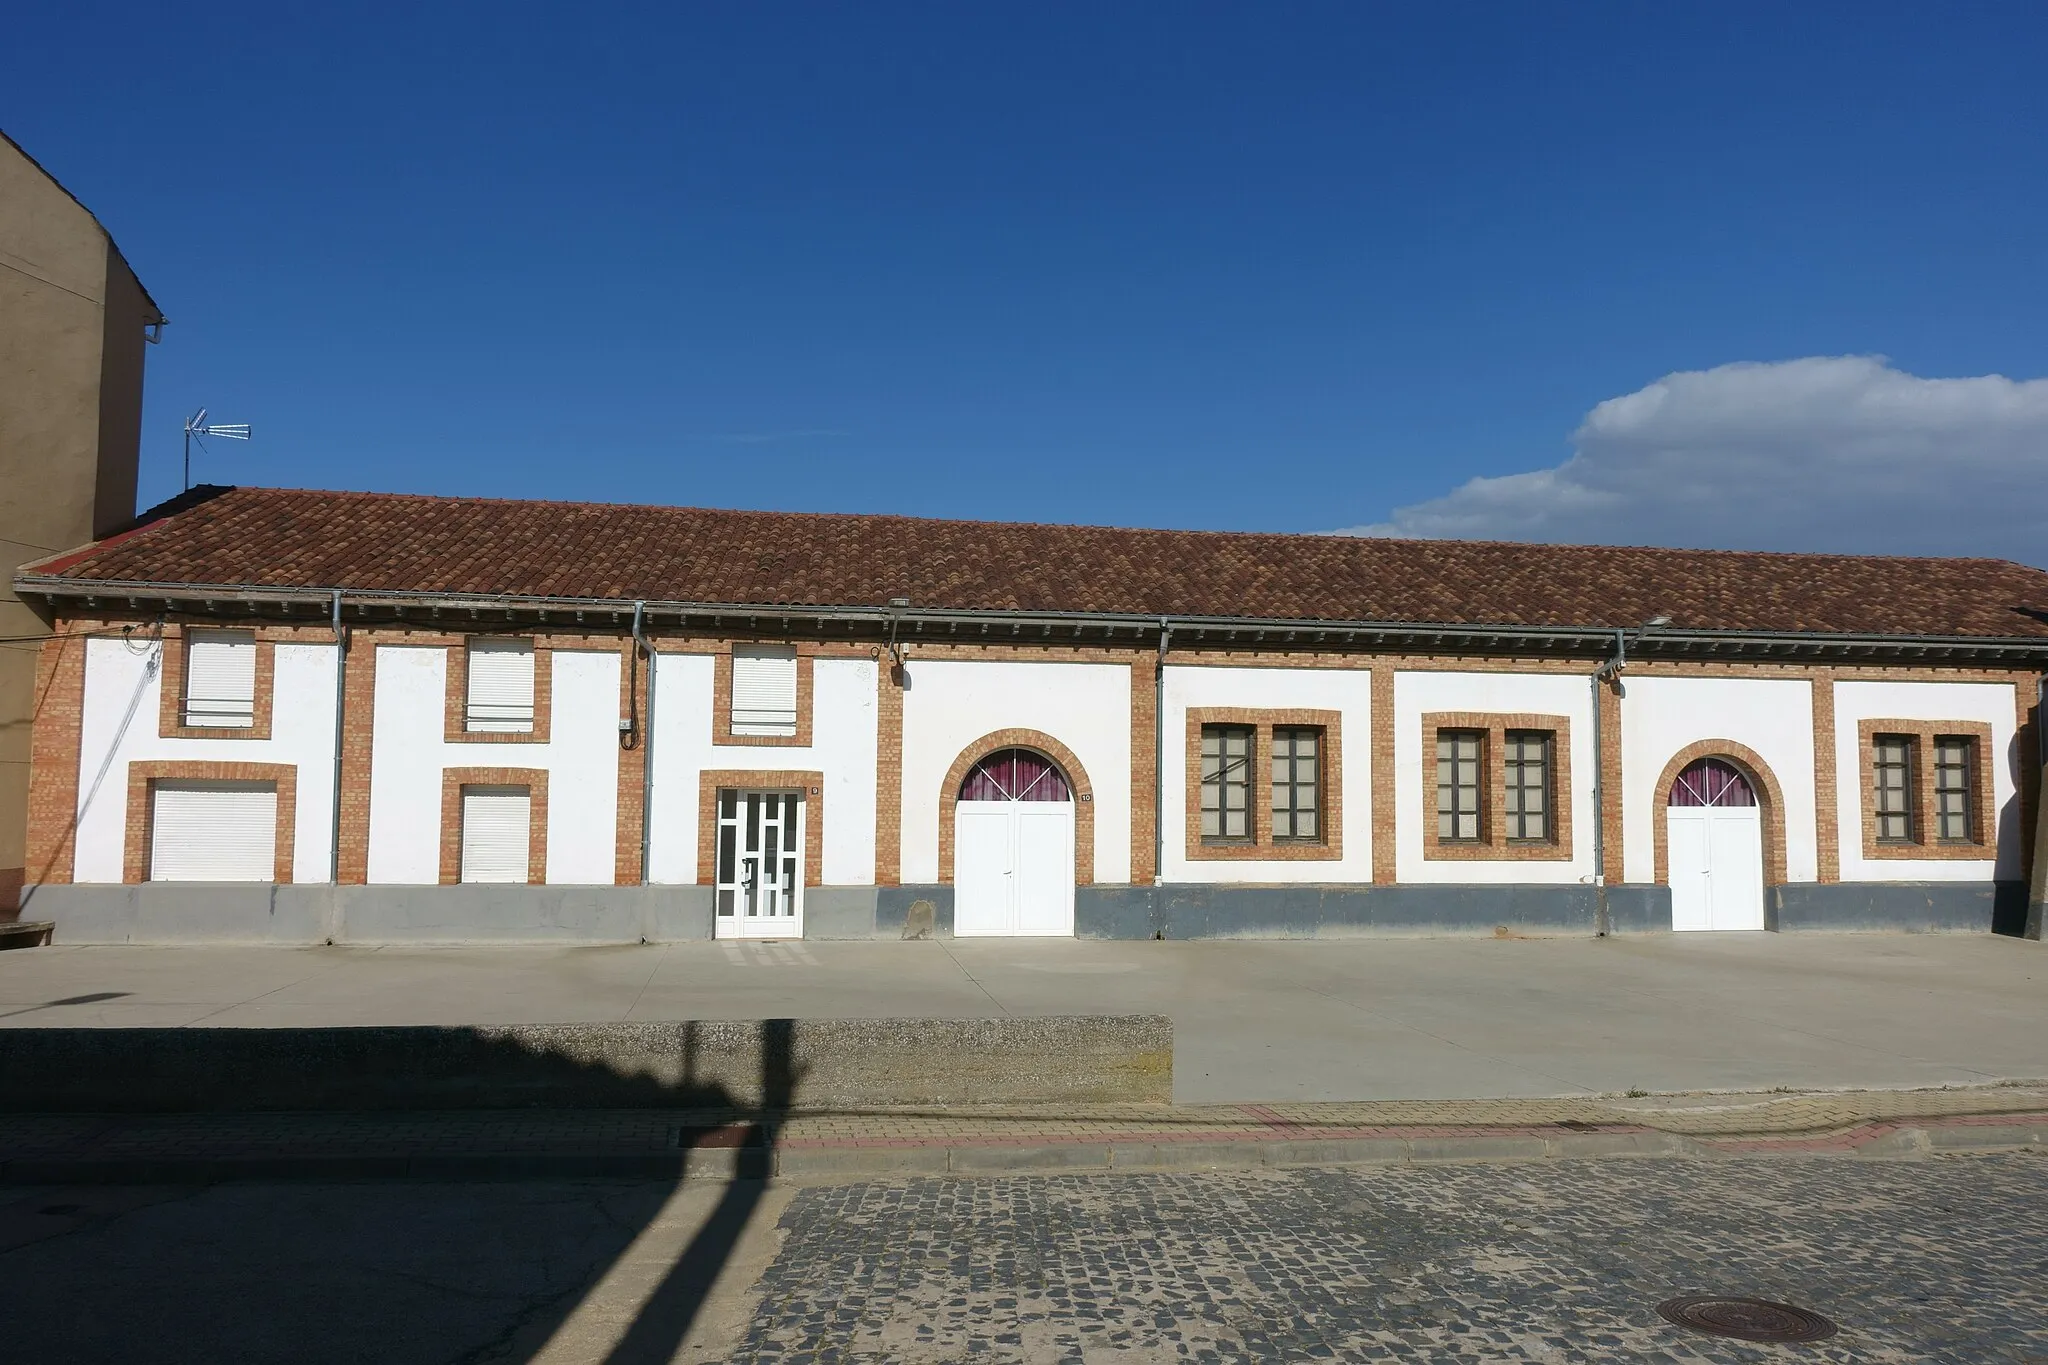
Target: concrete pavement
[(1255, 1021)]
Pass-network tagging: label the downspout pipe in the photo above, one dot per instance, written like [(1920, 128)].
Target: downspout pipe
[(1611, 670), (2036, 926), (643, 738), (1159, 775), (340, 731)]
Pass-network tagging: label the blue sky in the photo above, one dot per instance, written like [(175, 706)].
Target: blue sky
[(1290, 267)]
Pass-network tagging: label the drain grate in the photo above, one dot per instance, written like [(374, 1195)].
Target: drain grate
[(1745, 1319)]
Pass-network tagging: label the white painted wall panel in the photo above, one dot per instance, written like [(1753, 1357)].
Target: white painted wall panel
[(951, 704), (123, 689), (1549, 694), (1344, 690), (583, 769), (1992, 703), (406, 760), (410, 748), (1772, 716), (843, 748)]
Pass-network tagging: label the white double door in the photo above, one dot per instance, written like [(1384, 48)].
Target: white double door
[(1716, 860), (1013, 868), (760, 865)]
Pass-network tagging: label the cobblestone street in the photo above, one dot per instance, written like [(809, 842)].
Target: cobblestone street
[(1930, 1260), (1555, 1262)]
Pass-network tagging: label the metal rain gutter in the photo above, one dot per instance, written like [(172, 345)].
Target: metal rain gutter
[(1241, 632)]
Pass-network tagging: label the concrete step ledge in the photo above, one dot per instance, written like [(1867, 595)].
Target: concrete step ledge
[(727, 1154), (977, 1159)]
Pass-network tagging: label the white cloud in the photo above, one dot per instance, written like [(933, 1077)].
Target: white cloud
[(1826, 453)]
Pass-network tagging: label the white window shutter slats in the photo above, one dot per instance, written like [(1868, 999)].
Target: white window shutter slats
[(220, 679), (496, 834), (764, 690), (213, 832), (500, 686)]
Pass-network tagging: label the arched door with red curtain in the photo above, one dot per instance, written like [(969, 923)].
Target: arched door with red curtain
[(1715, 848), (1013, 848)]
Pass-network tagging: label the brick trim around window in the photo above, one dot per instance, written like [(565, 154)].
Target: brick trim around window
[(1077, 779), (811, 784), (456, 712), (1262, 847), (535, 780), (1925, 845), (721, 697), (1493, 845), (177, 646), (143, 775), (1770, 796)]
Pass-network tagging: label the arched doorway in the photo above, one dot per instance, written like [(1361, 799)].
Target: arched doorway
[(1013, 848), (1715, 837)]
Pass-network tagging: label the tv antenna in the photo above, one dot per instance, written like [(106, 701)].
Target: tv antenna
[(195, 426)]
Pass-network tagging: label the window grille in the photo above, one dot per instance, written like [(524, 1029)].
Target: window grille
[(500, 686), (1297, 783), (1892, 770), (220, 679), (202, 831), (1954, 765), (1528, 772), (497, 832), (1457, 785), (1226, 783), (764, 690)]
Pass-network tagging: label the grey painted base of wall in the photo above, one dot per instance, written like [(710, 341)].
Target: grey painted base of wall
[(1638, 908), (164, 912), (1181, 912), (237, 912), (777, 1063), (1892, 907)]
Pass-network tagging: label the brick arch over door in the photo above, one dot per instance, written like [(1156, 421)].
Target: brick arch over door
[(1762, 781), (1038, 740)]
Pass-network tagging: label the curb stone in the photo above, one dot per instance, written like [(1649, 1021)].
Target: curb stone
[(1872, 1142)]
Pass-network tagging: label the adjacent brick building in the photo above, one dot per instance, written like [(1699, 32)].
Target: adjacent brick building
[(73, 325)]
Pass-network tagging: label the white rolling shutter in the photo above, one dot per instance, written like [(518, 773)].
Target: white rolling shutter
[(220, 678), (496, 832), (764, 689), (213, 832), (500, 685)]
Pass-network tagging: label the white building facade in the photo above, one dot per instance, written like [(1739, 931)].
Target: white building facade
[(222, 761)]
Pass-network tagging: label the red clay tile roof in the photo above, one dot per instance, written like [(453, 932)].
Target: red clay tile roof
[(282, 538)]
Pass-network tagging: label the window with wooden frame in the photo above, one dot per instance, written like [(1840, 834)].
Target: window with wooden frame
[(1526, 810), (1264, 784), (1891, 767), (1459, 756), (1227, 783), (1496, 787), (1955, 762), (1297, 784), (1927, 789)]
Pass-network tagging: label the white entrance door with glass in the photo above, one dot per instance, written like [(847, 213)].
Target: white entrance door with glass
[(1715, 845), (760, 871), (1013, 849)]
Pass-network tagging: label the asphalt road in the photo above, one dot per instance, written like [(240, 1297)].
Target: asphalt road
[(1941, 1260)]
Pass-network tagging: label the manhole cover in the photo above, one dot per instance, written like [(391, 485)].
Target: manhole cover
[(1746, 1319)]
